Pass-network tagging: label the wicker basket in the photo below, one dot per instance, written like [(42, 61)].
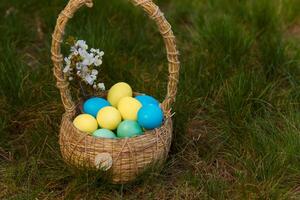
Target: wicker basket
[(121, 159)]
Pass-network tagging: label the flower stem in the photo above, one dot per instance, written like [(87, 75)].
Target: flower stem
[(82, 90)]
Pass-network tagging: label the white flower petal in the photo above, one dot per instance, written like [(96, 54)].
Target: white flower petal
[(89, 80), (81, 44), (83, 53), (94, 72), (67, 61), (93, 77), (97, 62), (101, 86), (66, 69)]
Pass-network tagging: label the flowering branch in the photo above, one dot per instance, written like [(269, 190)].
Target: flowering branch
[(82, 63)]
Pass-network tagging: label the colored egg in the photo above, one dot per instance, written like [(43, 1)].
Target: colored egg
[(86, 123), (129, 107), (129, 128), (109, 118), (104, 133), (150, 116), (146, 99), (117, 92), (93, 105)]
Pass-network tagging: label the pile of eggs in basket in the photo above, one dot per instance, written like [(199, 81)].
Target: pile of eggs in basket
[(121, 115)]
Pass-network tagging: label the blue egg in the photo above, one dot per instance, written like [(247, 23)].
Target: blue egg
[(93, 105), (146, 100), (150, 117)]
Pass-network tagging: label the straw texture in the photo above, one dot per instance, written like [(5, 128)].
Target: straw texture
[(122, 159)]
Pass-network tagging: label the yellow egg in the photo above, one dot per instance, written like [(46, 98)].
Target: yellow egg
[(129, 107), (109, 118), (117, 92), (85, 123)]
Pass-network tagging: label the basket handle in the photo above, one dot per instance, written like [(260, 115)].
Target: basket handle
[(163, 25)]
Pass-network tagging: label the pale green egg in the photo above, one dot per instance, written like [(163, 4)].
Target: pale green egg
[(104, 133)]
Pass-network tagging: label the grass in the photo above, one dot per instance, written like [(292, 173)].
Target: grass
[(237, 111)]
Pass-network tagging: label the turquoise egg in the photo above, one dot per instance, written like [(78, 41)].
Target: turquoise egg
[(150, 117), (129, 128), (104, 133), (93, 105), (146, 100)]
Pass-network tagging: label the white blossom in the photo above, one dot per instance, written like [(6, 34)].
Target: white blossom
[(88, 60), (81, 44), (82, 52), (68, 65), (98, 52), (101, 86), (89, 79), (93, 77), (94, 72), (97, 61), (68, 61), (101, 54), (66, 69), (94, 50)]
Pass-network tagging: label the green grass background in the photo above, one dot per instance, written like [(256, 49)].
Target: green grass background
[(237, 122)]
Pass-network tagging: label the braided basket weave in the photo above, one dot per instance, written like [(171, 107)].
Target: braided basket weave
[(121, 159)]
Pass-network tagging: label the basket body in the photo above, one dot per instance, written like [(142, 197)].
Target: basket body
[(130, 157)]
